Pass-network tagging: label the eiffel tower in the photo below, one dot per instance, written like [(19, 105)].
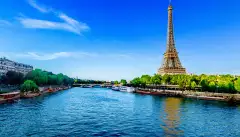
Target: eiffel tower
[(171, 63)]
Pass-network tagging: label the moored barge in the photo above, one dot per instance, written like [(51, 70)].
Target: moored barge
[(9, 97)]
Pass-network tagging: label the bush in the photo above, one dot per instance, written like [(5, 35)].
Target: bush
[(29, 85)]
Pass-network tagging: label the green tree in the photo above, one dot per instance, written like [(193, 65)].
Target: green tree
[(3, 79), (123, 82), (183, 83), (212, 87), (204, 84), (196, 79), (52, 79), (145, 79), (226, 86), (75, 81), (237, 85), (70, 81), (166, 79), (29, 85), (221, 83), (193, 85), (174, 79), (38, 76), (43, 78), (60, 79), (136, 82), (156, 79), (116, 82), (13, 78), (188, 81)]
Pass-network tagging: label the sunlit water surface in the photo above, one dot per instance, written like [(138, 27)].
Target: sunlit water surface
[(103, 112)]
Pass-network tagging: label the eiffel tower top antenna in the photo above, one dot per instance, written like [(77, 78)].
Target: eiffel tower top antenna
[(170, 2)]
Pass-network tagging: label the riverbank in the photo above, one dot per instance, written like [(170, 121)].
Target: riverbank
[(44, 90), (231, 98), (13, 96)]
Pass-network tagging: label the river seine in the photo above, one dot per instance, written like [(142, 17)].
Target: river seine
[(102, 112)]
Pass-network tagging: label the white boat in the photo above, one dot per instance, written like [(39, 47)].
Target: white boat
[(131, 89), (123, 88), (115, 88), (127, 89)]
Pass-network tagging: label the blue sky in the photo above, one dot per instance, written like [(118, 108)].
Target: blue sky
[(114, 39)]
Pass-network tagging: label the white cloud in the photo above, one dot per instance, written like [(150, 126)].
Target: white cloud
[(49, 56), (44, 24), (5, 23), (68, 24), (41, 8), (67, 19), (56, 55)]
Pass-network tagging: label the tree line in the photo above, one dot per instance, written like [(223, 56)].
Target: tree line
[(210, 83), (41, 78), (38, 76), (82, 81), (122, 82), (12, 78)]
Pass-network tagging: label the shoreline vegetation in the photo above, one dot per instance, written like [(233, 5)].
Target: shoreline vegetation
[(35, 83), (207, 87), (202, 83)]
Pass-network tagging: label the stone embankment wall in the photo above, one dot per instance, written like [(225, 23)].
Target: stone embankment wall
[(235, 98)]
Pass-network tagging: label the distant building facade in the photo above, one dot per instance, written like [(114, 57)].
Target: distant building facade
[(9, 65)]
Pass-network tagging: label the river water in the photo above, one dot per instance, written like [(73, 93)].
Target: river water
[(103, 112)]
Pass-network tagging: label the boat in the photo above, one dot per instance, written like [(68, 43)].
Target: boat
[(87, 86), (143, 92), (127, 89), (115, 88), (131, 89), (123, 88), (109, 87), (65, 88), (29, 95), (9, 97), (51, 90)]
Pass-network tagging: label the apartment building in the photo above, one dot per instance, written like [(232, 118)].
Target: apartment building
[(9, 65)]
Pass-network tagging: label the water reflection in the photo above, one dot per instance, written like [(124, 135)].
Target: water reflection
[(171, 117)]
